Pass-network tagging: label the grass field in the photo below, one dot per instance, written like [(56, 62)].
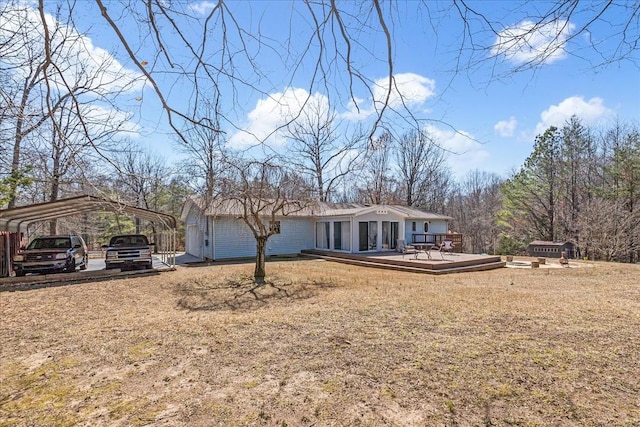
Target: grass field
[(326, 345)]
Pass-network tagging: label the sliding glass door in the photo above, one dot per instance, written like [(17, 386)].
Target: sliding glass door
[(363, 236), (389, 234), (367, 236), (342, 235)]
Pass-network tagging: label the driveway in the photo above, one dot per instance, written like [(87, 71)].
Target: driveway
[(97, 264)]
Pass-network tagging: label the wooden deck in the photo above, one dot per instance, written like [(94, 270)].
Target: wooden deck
[(452, 263)]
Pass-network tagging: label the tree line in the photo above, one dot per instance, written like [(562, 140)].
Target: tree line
[(63, 128), (578, 186)]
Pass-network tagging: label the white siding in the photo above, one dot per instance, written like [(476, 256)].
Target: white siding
[(438, 227), (233, 239), (435, 227), (295, 235)]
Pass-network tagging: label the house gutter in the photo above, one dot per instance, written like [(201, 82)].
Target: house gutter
[(352, 234), (213, 239)]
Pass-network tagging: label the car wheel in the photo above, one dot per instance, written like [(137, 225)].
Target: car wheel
[(85, 263), (72, 266)]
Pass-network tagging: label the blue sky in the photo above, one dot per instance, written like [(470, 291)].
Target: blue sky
[(486, 114)]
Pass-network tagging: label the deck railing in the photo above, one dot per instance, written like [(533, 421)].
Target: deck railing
[(438, 238)]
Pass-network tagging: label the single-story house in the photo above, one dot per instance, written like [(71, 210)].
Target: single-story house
[(542, 248), (214, 232)]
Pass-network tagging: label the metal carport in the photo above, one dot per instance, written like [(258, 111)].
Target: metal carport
[(18, 219)]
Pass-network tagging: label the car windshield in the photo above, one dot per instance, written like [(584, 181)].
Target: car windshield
[(50, 243), (128, 241)]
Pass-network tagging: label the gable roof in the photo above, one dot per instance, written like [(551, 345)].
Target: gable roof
[(312, 209)]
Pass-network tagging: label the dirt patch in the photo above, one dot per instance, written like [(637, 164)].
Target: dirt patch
[(326, 344)]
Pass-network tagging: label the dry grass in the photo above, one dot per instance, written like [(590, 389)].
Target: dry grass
[(326, 345)]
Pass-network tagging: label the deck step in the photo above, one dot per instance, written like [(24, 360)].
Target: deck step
[(405, 266)]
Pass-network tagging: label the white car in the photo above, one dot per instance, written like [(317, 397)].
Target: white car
[(128, 251)]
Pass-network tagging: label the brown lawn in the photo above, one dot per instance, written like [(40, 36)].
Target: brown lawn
[(328, 345)]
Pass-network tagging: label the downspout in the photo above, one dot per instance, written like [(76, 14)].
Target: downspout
[(351, 235), (7, 251), (213, 239)]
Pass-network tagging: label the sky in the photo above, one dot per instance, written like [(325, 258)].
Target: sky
[(485, 106)]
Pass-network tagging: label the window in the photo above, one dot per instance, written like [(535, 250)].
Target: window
[(413, 226), (322, 235), (386, 234), (426, 227), (373, 235), (274, 227), (345, 239)]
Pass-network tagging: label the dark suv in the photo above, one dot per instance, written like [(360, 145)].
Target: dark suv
[(50, 254)]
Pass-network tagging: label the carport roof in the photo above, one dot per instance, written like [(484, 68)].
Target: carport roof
[(15, 218)]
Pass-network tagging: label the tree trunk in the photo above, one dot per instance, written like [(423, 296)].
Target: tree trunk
[(260, 271), (15, 164)]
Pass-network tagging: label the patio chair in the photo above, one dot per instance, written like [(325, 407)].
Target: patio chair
[(401, 246), (446, 246)]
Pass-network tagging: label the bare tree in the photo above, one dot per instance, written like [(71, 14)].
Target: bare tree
[(320, 150), (609, 230), (218, 49), (59, 91), (576, 177), (543, 38), (22, 70), (378, 183), (324, 46), (420, 162), (143, 181), (621, 179), (474, 207), (263, 192), (206, 151)]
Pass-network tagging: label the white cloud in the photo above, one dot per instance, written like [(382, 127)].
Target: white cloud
[(104, 120), (465, 152), (203, 7), (506, 127), (409, 89), (271, 114), (534, 42), (357, 114), (81, 62), (590, 112)]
